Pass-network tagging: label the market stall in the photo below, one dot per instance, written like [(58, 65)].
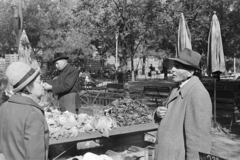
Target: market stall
[(122, 124), (118, 126), (141, 128), (120, 139)]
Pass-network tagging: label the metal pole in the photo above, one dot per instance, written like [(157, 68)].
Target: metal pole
[(116, 63), (234, 66), (214, 101)]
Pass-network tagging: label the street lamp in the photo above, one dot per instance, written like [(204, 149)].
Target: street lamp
[(116, 36)]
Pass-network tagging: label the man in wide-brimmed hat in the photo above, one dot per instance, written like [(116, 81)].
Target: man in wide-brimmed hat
[(66, 85), (185, 119)]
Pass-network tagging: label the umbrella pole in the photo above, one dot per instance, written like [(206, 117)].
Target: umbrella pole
[(214, 102)]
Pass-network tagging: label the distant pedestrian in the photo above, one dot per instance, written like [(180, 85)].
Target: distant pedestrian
[(136, 73), (150, 74), (120, 76), (151, 68), (165, 72)]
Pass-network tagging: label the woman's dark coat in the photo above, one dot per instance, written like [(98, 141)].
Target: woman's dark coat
[(24, 133)]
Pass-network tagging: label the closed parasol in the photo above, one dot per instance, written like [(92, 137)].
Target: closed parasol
[(25, 51), (184, 36), (215, 55)]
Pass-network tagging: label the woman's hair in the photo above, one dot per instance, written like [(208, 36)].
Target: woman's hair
[(30, 85), (3, 82)]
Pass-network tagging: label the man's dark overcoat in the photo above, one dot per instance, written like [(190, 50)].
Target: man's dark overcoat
[(185, 129), (66, 85)]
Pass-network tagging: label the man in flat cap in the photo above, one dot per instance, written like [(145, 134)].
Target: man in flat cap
[(185, 119), (66, 85)]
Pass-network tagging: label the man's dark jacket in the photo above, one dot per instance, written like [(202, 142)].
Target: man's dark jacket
[(66, 83)]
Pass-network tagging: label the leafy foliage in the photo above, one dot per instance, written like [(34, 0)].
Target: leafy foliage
[(7, 40), (80, 28), (129, 112)]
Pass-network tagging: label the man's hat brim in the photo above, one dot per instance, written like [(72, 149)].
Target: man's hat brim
[(59, 58), (182, 62)]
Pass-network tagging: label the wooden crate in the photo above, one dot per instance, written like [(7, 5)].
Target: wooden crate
[(2, 64), (10, 58)]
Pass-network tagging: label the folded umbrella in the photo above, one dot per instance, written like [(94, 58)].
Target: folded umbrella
[(184, 36)]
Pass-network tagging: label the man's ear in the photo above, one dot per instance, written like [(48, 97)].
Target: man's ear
[(191, 72)]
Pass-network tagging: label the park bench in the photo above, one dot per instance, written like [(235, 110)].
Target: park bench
[(156, 91), (115, 88), (118, 89)]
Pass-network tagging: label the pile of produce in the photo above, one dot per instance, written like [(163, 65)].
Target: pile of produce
[(91, 156), (129, 112), (66, 124)]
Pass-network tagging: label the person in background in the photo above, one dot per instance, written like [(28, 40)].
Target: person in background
[(165, 72), (185, 119), (136, 73), (120, 75), (66, 85), (3, 86), (24, 133), (151, 68)]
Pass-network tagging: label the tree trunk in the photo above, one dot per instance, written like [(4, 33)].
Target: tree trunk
[(143, 66)]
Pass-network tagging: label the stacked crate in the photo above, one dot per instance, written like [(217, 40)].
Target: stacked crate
[(2, 65), (10, 58)]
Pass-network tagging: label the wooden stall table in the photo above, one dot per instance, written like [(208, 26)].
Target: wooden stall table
[(126, 131)]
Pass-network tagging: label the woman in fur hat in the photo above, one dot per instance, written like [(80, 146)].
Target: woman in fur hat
[(23, 128)]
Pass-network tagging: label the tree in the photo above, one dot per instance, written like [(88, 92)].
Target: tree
[(33, 25), (65, 30), (7, 39), (103, 25), (132, 28), (80, 28)]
